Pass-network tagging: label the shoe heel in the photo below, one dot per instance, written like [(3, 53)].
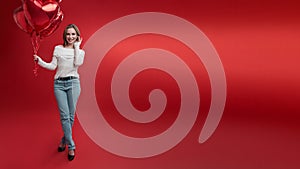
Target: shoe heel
[(61, 149)]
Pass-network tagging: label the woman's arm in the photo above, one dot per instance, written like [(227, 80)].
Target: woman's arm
[(51, 66), (78, 54)]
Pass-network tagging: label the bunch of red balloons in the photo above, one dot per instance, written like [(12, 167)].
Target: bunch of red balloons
[(38, 18)]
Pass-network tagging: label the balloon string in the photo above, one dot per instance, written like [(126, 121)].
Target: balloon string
[(35, 69), (35, 41)]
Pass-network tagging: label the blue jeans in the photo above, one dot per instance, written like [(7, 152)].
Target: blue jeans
[(66, 94)]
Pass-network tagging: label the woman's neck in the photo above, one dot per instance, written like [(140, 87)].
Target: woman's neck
[(69, 46)]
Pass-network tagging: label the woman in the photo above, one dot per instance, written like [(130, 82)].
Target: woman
[(66, 60)]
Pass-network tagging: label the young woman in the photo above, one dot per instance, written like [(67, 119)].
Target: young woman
[(66, 60)]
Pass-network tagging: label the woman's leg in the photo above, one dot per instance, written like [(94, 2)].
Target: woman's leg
[(73, 93), (62, 102)]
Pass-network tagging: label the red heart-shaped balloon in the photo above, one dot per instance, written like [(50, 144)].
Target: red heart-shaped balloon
[(53, 26), (21, 20), (40, 13)]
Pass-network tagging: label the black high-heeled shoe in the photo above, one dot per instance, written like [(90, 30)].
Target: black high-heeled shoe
[(61, 149), (71, 157)]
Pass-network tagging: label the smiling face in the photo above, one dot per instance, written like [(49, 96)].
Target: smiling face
[(71, 36)]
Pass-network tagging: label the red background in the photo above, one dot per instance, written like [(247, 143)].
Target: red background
[(258, 44)]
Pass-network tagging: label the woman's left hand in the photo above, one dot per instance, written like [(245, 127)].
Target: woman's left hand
[(78, 42)]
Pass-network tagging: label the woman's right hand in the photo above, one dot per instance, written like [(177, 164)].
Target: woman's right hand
[(36, 57)]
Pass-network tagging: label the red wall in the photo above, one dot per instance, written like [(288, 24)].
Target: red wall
[(257, 42)]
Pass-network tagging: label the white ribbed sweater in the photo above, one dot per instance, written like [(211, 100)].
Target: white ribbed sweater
[(65, 60)]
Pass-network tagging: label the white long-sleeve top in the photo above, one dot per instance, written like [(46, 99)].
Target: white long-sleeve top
[(65, 60)]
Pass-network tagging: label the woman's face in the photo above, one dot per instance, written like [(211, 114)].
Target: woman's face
[(71, 36)]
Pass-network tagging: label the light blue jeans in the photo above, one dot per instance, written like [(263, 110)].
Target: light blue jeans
[(66, 94)]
